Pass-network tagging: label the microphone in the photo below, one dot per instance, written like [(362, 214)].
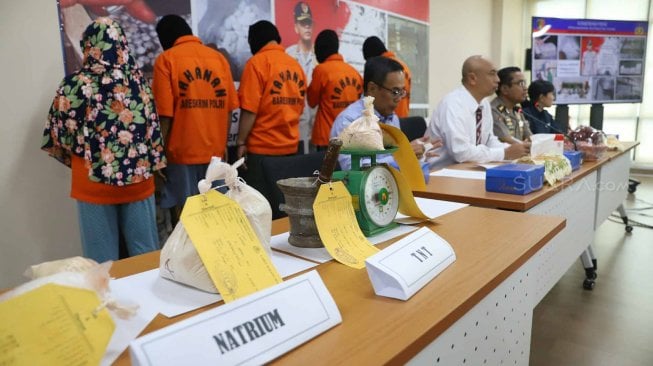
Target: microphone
[(548, 125), (542, 123)]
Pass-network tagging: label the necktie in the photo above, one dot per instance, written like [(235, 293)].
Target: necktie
[(479, 118)]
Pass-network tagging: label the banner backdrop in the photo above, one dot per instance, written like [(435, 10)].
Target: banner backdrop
[(223, 25)]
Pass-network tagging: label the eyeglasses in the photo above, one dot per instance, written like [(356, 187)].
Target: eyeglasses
[(396, 92), (521, 83)]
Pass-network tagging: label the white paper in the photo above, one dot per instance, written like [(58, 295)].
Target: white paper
[(403, 268), (320, 255), (490, 165), (456, 173), (252, 330), (172, 298), (431, 208), (280, 242), (391, 234), (126, 329), (288, 265), (162, 295), (547, 144)]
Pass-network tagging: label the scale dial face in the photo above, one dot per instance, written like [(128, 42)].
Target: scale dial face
[(380, 196)]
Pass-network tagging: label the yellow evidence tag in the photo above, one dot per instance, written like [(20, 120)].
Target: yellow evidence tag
[(338, 228), (405, 158), (407, 204), (54, 325), (228, 246)]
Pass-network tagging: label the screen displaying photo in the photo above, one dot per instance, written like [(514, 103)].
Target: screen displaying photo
[(590, 61)]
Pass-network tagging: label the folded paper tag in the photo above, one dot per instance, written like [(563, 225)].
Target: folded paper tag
[(403, 268), (54, 325), (407, 204), (249, 331), (233, 255), (336, 222)]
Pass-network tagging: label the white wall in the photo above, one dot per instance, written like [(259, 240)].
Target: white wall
[(461, 28), (510, 37), (38, 220)]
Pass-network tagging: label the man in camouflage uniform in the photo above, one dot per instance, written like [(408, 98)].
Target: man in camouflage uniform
[(509, 123)]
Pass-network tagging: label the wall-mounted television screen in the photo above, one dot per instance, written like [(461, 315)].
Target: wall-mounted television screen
[(590, 61)]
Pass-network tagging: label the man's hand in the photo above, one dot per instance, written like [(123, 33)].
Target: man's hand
[(240, 152), (245, 126), (516, 151), (162, 174), (425, 147)]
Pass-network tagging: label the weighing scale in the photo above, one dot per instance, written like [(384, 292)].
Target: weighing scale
[(374, 191)]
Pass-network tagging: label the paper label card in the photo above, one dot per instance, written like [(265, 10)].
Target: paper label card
[(54, 325), (227, 245), (249, 331), (458, 173), (336, 222), (403, 268), (431, 208)]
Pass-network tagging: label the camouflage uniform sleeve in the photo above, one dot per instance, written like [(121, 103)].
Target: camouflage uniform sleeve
[(499, 127), (526, 130)]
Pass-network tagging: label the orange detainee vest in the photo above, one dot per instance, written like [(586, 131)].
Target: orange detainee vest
[(273, 87), (193, 85), (334, 87)]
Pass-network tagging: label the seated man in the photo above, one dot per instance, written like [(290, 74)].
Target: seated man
[(463, 120), (509, 123), (383, 79), (374, 46)]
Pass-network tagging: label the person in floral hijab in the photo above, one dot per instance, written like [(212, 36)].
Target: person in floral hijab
[(103, 125)]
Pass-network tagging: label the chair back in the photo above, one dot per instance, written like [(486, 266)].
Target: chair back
[(413, 127), (281, 167)]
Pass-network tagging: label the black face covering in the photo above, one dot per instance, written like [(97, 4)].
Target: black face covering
[(171, 27), (372, 47), (326, 44), (260, 33)]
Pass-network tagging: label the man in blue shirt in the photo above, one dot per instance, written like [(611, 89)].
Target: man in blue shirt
[(383, 79)]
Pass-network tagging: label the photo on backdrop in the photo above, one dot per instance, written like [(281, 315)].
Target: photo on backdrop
[(137, 19)]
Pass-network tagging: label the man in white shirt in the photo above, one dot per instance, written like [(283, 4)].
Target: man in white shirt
[(463, 120)]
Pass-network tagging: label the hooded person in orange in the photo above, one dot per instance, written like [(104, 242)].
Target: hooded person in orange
[(334, 87), (271, 92), (195, 94), (373, 46)]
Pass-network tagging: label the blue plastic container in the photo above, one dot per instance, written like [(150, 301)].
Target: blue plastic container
[(575, 157), (514, 178)]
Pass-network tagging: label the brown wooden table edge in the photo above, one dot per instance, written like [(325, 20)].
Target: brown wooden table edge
[(419, 344), (512, 202)]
